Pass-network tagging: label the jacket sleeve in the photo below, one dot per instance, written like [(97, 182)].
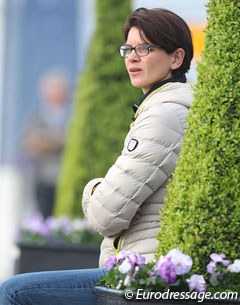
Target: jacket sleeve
[(148, 159), (87, 193)]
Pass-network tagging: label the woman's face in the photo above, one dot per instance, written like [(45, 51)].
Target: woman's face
[(146, 71)]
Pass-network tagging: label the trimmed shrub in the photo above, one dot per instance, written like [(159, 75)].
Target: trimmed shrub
[(102, 112), (202, 212)]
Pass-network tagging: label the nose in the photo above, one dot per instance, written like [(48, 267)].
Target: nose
[(132, 57)]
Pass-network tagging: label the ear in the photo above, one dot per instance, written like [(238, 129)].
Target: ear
[(177, 59)]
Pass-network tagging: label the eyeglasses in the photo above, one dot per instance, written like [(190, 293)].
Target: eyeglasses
[(142, 49)]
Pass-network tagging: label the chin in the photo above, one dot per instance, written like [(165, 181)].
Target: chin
[(136, 84)]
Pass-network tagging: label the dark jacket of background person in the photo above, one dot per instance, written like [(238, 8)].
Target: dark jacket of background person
[(44, 139)]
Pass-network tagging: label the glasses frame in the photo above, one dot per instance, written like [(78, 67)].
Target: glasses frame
[(131, 48)]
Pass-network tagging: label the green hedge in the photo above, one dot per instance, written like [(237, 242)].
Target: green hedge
[(102, 112), (202, 213)]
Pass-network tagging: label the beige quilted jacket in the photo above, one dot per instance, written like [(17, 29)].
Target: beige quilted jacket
[(140, 175)]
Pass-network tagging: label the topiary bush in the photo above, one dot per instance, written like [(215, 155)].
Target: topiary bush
[(102, 110), (202, 212)]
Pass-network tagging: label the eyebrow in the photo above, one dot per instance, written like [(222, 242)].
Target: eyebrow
[(129, 44)]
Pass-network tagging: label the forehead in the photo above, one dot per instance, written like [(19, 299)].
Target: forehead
[(136, 36)]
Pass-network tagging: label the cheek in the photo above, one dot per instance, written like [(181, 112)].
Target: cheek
[(152, 63), (152, 68)]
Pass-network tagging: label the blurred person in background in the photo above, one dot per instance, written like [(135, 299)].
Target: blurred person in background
[(44, 138)]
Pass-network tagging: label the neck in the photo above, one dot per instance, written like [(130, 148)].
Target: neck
[(180, 79)]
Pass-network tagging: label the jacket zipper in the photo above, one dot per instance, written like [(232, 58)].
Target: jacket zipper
[(116, 244), (147, 97)]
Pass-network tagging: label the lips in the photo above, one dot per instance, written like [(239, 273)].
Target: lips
[(134, 71)]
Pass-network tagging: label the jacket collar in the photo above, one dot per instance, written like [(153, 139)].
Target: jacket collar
[(180, 79)]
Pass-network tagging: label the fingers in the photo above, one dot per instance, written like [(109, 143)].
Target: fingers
[(138, 214)]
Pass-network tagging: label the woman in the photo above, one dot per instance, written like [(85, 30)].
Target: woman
[(124, 205)]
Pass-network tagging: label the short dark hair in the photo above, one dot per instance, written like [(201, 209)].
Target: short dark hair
[(164, 28)]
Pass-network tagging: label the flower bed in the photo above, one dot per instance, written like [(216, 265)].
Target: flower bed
[(36, 230), (55, 244), (45, 258), (172, 273)]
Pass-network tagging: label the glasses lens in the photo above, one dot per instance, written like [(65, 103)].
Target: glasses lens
[(123, 51), (142, 49)]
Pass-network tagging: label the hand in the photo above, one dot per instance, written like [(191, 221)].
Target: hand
[(138, 214)]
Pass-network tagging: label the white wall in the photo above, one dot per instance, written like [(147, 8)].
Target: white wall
[(9, 192), (9, 181), (2, 15)]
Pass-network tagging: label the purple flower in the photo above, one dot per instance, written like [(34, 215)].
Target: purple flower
[(36, 224), (129, 279), (166, 270), (216, 259), (130, 261), (111, 262), (182, 262), (197, 283), (122, 255), (52, 223), (210, 267), (219, 258), (64, 225), (136, 259)]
